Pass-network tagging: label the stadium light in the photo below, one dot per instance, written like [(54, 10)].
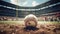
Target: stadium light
[(17, 11)]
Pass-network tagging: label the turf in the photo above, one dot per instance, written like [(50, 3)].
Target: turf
[(22, 22)]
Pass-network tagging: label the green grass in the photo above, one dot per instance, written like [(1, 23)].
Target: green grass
[(22, 22), (11, 22)]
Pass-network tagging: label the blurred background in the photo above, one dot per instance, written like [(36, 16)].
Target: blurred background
[(48, 10)]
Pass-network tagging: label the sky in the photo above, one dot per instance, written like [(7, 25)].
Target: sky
[(27, 3)]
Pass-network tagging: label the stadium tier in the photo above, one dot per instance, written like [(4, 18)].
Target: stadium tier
[(9, 9)]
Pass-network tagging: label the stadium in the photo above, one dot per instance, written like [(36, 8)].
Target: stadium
[(12, 18)]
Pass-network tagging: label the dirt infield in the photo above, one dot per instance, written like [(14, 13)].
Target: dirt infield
[(48, 28)]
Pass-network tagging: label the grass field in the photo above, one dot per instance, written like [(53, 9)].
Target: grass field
[(22, 22)]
